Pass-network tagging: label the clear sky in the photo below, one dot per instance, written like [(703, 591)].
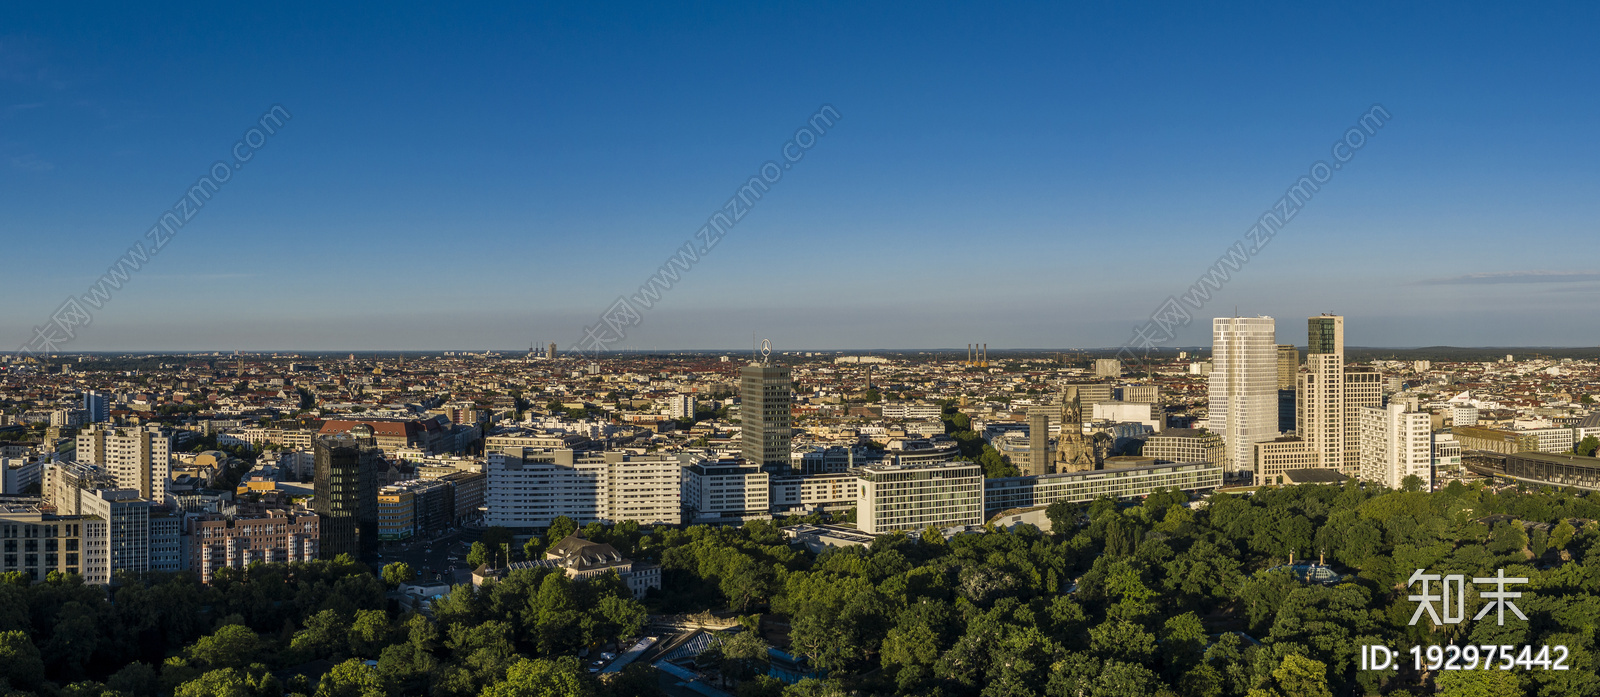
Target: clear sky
[(1027, 176)]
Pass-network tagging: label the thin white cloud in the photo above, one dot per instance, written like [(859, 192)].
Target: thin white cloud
[(1513, 277)]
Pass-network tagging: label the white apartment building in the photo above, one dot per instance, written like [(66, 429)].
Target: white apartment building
[(912, 410), (116, 529), (532, 488), (1395, 443), (916, 497), (139, 458), (681, 406), (725, 489), (1243, 389), (1464, 416)]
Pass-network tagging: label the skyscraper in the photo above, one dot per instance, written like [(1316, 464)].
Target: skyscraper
[(1038, 443), (1288, 374), (1320, 402), (346, 479), (1243, 391), (1288, 366), (765, 401)]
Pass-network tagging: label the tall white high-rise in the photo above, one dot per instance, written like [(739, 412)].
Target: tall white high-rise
[(139, 458), (1395, 443), (681, 406), (1243, 391)]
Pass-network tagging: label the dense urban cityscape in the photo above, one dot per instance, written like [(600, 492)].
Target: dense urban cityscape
[(453, 475), (818, 349)]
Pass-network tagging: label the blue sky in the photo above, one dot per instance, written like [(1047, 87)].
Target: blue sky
[(1028, 176)]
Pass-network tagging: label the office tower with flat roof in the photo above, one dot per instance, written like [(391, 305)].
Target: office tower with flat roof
[(1087, 394), (346, 479), (1320, 403), (1185, 445), (765, 401), (1243, 393), (1288, 366), (1038, 443), (1288, 376), (97, 406)]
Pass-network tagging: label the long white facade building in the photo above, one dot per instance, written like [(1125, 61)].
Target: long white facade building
[(531, 488)]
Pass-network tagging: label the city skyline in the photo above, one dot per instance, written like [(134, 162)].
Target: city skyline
[(1016, 187)]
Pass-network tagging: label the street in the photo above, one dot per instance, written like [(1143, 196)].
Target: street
[(434, 559)]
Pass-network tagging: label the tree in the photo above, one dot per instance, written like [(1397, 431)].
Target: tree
[(478, 555), (1411, 482), (622, 617), (760, 686), (324, 636), (497, 540), (995, 464), (227, 682), (1063, 517), (533, 549), (1589, 445), (232, 646), (20, 662), (369, 633), (744, 656), (352, 678), (543, 678), (135, 679), (560, 528), (396, 573), (1479, 683)]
